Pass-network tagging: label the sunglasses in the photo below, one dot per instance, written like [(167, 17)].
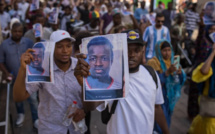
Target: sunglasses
[(160, 21)]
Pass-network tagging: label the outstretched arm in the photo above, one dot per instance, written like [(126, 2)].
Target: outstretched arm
[(206, 67), (19, 90)]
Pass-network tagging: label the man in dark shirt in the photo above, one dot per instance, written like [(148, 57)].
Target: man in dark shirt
[(169, 16), (84, 13), (106, 19)]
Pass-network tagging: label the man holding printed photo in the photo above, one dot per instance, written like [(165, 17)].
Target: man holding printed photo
[(136, 113)]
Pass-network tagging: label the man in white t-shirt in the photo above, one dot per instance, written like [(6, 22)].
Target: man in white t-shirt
[(4, 19), (136, 113), (155, 33), (23, 7)]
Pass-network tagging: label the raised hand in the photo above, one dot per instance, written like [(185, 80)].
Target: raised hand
[(82, 68), (26, 58)]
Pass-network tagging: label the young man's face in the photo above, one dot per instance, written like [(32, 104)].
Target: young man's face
[(17, 33), (117, 19), (40, 20), (135, 55), (209, 10), (38, 57), (99, 60), (159, 21), (2, 5), (166, 53), (63, 51)]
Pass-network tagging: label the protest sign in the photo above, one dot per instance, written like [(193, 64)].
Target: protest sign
[(108, 60), (35, 5), (212, 36), (53, 16), (41, 68), (38, 30), (209, 13)]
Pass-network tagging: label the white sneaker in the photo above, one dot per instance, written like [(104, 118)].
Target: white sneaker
[(36, 124), (20, 119)]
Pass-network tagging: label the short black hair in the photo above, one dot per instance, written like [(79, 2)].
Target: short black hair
[(210, 4), (78, 38), (101, 41), (17, 24), (40, 45), (67, 7), (159, 15), (38, 16)]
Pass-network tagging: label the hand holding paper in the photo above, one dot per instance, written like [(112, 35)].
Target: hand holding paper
[(26, 58), (82, 68)]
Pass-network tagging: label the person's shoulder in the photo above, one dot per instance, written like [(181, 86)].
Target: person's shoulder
[(165, 28), (5, 42), (6, 13), (150, 28), (143, 69), (29, 32), (27, 40)]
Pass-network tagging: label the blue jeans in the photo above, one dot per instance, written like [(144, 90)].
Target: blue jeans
[(33, 105)]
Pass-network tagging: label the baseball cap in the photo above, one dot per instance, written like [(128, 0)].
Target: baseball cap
[(60, 35), (94, 15), (133, 36), (115, 11)]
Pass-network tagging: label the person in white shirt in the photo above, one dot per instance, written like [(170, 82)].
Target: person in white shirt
[(23, 7), (136, 113), (4, 16)]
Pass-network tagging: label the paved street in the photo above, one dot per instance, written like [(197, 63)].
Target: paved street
[(180, 123)]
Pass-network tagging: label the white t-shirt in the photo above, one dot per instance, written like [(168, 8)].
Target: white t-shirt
[(23, 8), (5, 20), (135, 113)]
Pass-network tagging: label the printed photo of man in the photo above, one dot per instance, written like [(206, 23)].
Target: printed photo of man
[(100, 58), (35, 68), (209, 12)]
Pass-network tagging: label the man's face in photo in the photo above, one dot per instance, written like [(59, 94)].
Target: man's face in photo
[(99, 60), (38, 57), (209, 10)]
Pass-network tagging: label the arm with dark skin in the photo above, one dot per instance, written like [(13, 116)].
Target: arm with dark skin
[(160, 119), (206, 67), (5, 71), (19, 89), (82, 70), (135, 23)]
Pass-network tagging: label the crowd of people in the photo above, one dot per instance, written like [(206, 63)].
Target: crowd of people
[(160, 35)]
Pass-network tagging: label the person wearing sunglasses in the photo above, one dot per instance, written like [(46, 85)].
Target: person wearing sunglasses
[(154, 33)]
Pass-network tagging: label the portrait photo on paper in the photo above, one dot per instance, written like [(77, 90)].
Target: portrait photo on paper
[(39, 69), (209, 13), (105, 55)]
